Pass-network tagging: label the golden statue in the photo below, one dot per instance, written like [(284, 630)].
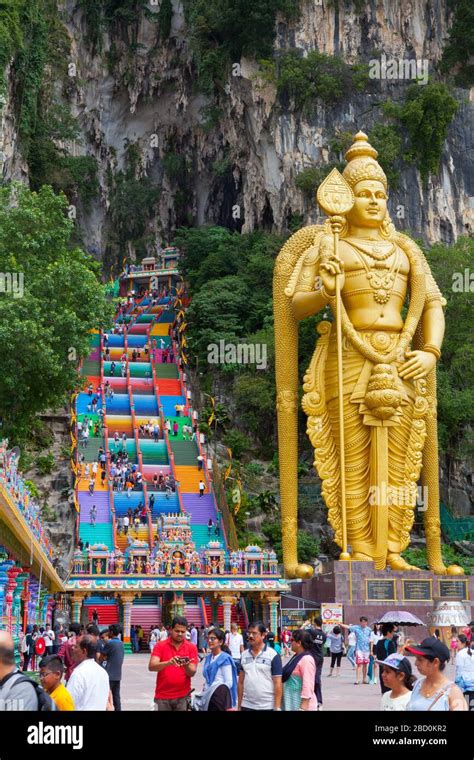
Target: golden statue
[(370, 390)]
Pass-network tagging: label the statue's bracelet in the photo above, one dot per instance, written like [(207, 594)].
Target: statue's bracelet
[(323, 292), (430, 349)]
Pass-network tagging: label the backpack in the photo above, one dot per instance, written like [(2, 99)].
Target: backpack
[(45, 703)]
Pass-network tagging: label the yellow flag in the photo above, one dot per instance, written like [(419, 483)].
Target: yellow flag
[(229, 466)]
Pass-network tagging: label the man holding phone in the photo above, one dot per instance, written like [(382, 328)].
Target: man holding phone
[(175, 662)]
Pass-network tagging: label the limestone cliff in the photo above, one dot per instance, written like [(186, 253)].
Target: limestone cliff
[(135, 89)]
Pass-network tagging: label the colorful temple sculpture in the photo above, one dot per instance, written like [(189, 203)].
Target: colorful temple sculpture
[(28, 578)]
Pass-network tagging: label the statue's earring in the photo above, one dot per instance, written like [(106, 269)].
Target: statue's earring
[(387, 228)]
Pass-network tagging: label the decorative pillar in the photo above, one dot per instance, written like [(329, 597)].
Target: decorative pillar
[(127, 598), (16, 612), (77, 600), (227, 602), (273, 603), (25, 598)]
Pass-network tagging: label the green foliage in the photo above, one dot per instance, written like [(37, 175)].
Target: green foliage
[(265, 502), (230, 279), (133, 201), (165, 17), (302, 81), (223, 31), (62, 300), (118, 16), (45, 464), (309, 179), (456, 368), (237, 441), (221, 166), (424, 115), (459, 51), (427, 114), (418, 558), (308, 547), (33, 488), (385, 138), (11, 37), (255, 468)]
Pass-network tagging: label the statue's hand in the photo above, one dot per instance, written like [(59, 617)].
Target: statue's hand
[(418, 365), (330, 266)]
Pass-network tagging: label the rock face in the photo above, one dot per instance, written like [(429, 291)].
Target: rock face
[(456, 485), (55, 489), (148, 98)]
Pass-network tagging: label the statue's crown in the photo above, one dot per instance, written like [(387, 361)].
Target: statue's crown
[(362, 162)]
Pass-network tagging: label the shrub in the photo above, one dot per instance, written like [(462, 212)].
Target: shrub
[(45, 464), (238, 442)]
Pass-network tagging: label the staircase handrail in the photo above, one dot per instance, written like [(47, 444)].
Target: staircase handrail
[(221, 501)]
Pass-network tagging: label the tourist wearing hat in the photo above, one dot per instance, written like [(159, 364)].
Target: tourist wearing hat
[(433, 691), (396, 676)]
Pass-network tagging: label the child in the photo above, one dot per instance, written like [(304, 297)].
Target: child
[(397, 676), (51, 672)]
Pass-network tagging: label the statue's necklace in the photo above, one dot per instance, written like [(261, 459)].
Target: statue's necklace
[(377, 250), (382, 283)]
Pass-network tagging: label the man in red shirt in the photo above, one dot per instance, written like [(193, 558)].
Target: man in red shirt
[(175, 661), (66, 649)]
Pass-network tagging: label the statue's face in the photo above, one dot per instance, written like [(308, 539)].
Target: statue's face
[(370, 207)]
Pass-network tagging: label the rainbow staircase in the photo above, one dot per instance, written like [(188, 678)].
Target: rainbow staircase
[(148, 391)]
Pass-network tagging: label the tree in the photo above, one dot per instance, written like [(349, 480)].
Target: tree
[(45, 324)]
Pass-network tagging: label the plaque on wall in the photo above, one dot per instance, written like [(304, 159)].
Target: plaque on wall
[(417, 590), (450, 587), (378, 590)]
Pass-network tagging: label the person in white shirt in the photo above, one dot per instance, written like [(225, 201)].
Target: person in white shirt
[(49, 637), (89, 683), (235, 642), (163, 633), (397, 676)]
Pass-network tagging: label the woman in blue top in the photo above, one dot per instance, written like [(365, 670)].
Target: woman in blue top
[(220, 676), (465, 669), (433, 692)]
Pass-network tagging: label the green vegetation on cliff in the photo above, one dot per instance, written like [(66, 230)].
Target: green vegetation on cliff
[(45, 320), (303, 80), (458, 54)]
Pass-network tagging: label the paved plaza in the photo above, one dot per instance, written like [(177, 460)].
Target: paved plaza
[(339, 693)]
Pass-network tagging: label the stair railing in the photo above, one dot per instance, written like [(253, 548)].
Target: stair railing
[(165, 434)]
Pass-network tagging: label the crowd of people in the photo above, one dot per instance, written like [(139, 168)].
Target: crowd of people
[(89, 661), (244, 670)]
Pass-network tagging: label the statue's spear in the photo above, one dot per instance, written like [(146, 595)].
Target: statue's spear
[(336, 198)]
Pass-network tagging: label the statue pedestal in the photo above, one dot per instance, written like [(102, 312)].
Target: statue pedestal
[(362, 590)]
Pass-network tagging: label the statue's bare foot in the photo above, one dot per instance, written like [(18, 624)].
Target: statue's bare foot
[(396, 562), (360, 557)]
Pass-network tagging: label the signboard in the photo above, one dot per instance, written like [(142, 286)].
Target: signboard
[(331, 615), (417, 591), (449, 588), (380, 590), (294, 618)]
